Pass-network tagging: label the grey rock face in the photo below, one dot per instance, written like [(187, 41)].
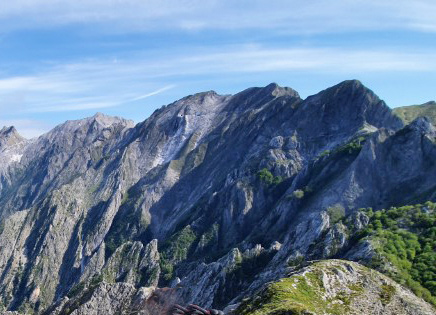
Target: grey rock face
[(105, 299), (9, 136), (11, 152), (132, 263), (104, 199)]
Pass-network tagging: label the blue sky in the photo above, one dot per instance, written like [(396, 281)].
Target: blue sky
[(67, 59)]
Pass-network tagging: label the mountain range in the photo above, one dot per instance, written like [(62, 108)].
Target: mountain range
[(221, 200)]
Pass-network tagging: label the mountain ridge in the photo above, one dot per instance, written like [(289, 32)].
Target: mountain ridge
[(411, 112)]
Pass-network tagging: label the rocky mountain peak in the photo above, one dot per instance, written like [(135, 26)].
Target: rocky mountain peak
[(352, 83), (277, 90), (98, 121), (9, 136), (356, 102), (107, 121), (353, 88), (422, 125), (200, 102), (7, 130), (433, 103)]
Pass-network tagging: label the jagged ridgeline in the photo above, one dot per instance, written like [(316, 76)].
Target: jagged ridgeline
[(224, 201)]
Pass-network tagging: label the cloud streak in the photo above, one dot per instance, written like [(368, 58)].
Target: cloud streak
[(141, 97), (97, 85), (94, 103)]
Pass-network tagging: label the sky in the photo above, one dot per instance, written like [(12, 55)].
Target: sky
[(68, 59)]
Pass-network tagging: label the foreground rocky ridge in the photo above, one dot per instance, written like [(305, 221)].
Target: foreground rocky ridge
[(335, 287), (101, 205)]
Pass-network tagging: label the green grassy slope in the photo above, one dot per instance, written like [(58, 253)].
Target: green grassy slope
[(409, 113)]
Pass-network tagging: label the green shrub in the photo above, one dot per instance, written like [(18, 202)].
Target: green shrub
[(299, 194), (324, 153), (353, 146), (167, 269), (277, 180), (267, 177)]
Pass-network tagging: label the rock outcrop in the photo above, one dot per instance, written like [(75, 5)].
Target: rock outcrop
[(334, 287)]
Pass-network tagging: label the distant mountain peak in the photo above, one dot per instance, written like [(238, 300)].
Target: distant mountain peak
[(98, 115), (107, 120), (8, 130), (9, 136), (277, 90), (201, 99), (102, 119), (352, 85), (208, 93), (352, 82)]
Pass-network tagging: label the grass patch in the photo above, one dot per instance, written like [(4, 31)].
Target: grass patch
[(302, 294), (386, 293)]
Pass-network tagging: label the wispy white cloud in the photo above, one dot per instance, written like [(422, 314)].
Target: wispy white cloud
[(92, 103), (285, 15), (66, 107), (35, 83), (97, 85), (141, 97), (335, 60)]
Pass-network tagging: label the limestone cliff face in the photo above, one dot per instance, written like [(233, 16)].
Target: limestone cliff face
[(103, 205)]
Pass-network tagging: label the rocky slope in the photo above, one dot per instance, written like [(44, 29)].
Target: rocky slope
[(334, 287), (215, 193)]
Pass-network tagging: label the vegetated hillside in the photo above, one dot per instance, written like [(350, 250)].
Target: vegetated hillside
[(405, 238), (410, 113), (398, 241), (213, 195)]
